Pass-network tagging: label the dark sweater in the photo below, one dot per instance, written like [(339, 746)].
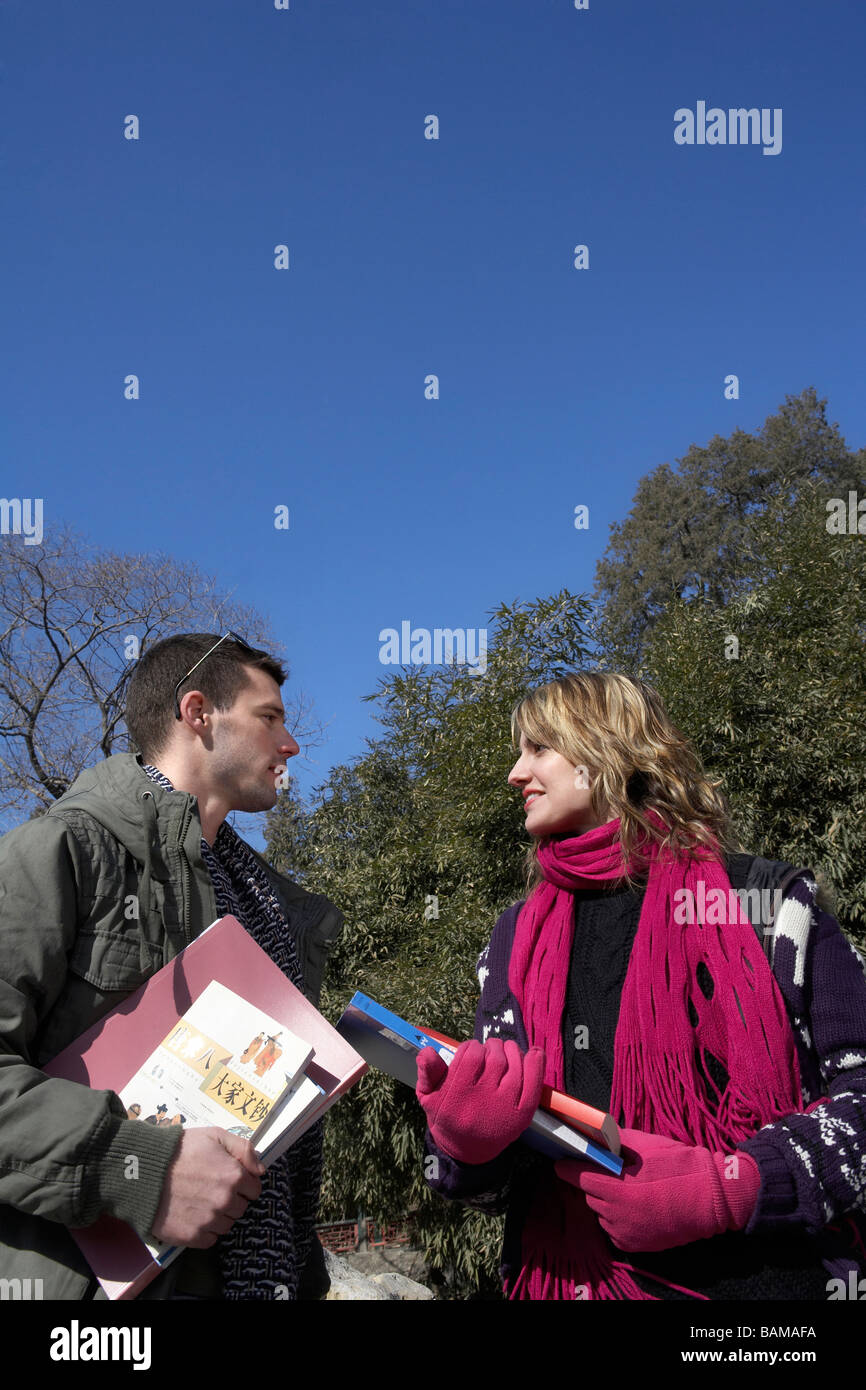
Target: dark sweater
[(729, 1266), (787, 1251)]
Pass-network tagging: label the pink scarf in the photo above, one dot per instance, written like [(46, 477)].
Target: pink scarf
[(656, 1084)]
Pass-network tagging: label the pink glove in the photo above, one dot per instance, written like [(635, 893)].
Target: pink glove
[(484, 1101), (669, 1193)]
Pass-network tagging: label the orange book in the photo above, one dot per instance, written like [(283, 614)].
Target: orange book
[(596, 1124)]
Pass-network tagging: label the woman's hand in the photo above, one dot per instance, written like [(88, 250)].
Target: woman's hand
[(484, 1101), (668, 1193)]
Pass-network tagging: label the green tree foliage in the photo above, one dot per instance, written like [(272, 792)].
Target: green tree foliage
[(424, 822), (781, 717), (685, 532)]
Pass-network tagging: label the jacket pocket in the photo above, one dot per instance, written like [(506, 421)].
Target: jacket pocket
[(111, 962), (101, 973)]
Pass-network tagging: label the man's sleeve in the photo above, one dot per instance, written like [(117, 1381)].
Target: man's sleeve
[(813, 1166), (64, 1149)]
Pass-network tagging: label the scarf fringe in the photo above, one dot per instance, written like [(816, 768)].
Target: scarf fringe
[(579, 1269), (537, 1285), (657, 1096)]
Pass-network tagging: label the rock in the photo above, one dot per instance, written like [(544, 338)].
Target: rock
[(389, 1286), (399, 1286), (347, 1283)]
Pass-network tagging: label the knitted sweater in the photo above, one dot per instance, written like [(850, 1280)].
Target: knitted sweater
[(812, 1166)]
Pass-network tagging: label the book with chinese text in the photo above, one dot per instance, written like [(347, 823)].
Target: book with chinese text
[(218, 1036)]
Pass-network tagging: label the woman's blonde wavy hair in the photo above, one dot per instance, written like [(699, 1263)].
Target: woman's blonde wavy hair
[(618, 728)]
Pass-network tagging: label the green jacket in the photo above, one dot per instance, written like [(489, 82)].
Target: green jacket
[(94, 897)]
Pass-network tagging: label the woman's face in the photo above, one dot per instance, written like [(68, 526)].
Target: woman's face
[(555, 793)]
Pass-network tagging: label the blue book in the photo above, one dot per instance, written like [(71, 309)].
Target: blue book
[(388, 1042)]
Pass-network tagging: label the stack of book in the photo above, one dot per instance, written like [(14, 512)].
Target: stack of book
[(220, 1037), (562, 1127)]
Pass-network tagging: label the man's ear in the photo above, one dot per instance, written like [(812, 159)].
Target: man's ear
[(192, 708)]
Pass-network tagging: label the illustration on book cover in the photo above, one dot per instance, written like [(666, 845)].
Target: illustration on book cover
[(217, 1065)]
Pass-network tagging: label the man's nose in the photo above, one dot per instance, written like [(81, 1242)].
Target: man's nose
[(289, 747)]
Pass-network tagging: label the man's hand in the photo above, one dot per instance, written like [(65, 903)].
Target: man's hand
[(211, 1180)]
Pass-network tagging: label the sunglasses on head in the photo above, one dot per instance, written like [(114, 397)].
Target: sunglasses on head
[(225, 637)]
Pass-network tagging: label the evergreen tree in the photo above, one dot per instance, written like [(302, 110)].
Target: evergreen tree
[(686, 532), (772, 688)]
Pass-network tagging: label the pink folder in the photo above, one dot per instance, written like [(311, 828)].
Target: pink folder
[(112, 1050)]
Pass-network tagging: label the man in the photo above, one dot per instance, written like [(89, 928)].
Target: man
[(127, 868)]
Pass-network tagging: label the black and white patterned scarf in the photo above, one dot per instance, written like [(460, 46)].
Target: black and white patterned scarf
[(263, 1254)]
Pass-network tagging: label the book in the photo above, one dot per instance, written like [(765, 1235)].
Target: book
[(391, 1044), (282, 1127), (206, 1072), (284, 1065), (598, 1125)]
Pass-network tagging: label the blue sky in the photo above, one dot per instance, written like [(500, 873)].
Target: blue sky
[(407, 257)]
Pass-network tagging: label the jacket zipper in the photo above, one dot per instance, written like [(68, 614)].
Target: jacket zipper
[(185, 872)]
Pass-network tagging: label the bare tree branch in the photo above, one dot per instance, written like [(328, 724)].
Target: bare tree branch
[(73, 620)]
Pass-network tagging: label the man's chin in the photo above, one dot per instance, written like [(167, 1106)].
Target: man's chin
[(254, 801)]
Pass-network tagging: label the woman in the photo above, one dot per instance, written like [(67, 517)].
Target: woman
[(740, 1090)]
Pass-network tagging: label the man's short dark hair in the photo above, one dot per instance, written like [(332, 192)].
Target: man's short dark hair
[(150, 715)]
